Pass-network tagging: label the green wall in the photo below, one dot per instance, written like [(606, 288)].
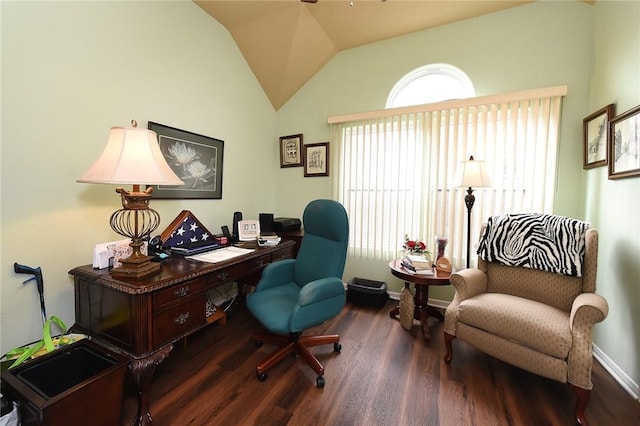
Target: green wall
[(613, 205), (527, 47), (592, 49), (71, 70)]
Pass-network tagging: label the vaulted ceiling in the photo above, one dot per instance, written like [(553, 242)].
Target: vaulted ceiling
[(286, 42)]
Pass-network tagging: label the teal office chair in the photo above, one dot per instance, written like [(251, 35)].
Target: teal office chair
[(294, 295)]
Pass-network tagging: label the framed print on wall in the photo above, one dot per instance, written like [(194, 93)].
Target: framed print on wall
[(595, 129), (624, 144), (196, 159), (291, 151), (316, 159)]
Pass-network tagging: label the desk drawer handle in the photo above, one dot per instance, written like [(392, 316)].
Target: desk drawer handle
[(182, 291), (182, 318), (223, 275), (263, 262)]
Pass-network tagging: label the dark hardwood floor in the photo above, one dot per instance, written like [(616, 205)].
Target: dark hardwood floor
[(383, 376)]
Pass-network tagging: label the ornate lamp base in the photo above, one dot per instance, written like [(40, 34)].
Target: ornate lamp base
[(135, 220), (136, 268)]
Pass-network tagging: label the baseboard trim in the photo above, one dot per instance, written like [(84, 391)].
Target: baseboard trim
[(612, 368), (617, 373)]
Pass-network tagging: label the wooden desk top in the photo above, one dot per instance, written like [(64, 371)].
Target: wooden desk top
[(438, 277), (175, 269)]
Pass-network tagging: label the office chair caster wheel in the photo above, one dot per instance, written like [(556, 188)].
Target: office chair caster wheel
[(337, 347), (320, 382), (262, 376)]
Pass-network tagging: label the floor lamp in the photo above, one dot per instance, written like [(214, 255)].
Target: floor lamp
[(132, 156), (471, 174)]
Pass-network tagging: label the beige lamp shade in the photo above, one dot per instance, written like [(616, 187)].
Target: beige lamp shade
[(472, 174), (132, 156)]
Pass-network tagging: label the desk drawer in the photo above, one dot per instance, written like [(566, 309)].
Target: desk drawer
[(286, 253), (177, 292), (238, 271), (181, 319)]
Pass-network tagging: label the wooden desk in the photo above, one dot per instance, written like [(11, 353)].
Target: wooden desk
[(143, 317), (422, 282)]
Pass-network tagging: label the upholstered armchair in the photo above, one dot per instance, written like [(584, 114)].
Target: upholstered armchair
[(534, 319), (294, 295)]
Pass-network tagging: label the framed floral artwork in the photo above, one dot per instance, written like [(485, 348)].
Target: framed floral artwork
[(595, 130), (196, 159), (624, 144)]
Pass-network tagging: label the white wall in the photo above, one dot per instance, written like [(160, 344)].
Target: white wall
[(72, 70)]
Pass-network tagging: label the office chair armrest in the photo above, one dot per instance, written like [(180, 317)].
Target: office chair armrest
[(319, 290), (317, 302), (276, 273)]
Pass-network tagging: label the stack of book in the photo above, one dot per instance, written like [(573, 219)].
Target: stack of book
[(420, 263), (268, 239)]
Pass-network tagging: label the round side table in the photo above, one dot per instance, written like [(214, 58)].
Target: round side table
[(422, 282)]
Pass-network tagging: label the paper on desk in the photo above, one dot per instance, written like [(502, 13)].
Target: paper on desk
[(220, 255)]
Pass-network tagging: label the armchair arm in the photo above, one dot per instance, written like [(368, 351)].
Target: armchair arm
[(276, 273), (587, 310), (318, 301), (468, 283)]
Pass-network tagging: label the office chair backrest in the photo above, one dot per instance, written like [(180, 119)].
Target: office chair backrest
[(324, 246)]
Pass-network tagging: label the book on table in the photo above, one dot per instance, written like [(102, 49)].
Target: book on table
[(418, 262)]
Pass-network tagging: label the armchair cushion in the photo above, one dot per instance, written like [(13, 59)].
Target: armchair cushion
[(534, 325)]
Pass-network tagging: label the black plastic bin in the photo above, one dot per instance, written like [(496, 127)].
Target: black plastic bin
[(78, 384), (364, 292)]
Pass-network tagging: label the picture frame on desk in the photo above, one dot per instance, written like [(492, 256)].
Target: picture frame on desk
[(624, 144), (195, 158), (316, 159), (291, 151), (595, 133)]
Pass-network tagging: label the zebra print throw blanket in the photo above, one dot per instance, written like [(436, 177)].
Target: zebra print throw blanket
[(539, 241)]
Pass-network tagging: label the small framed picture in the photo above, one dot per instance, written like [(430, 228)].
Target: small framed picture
[(316, 159), (624, 144), (595, 129), (291, 151)]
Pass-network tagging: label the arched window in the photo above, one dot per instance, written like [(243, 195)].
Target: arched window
[(431, 83)]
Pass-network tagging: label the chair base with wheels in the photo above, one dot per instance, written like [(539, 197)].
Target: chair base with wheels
[(294, 345)]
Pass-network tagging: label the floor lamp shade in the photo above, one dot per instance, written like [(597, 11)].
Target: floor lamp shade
[(471, 174), (132, 156)]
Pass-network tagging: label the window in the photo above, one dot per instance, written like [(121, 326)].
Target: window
[(395, 168), (431, 83)]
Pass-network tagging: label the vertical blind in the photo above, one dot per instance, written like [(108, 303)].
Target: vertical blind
[(395, 168)]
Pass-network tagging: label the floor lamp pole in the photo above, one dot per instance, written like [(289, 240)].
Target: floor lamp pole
[(469, 199)]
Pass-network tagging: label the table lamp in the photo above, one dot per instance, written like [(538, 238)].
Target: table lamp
[(471, 174), (132, 156)]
